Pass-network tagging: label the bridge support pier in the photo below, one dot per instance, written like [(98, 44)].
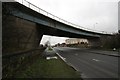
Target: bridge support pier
[(19, 34)]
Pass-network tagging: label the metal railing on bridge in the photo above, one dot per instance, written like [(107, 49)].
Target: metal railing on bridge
[(39, 10)]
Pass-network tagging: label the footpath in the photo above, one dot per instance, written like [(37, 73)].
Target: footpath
[(53, 67)]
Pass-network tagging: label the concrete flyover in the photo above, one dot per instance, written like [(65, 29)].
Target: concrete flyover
[(23, 28)]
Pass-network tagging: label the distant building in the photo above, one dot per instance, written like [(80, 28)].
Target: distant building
[(76, 41), (60, 45)]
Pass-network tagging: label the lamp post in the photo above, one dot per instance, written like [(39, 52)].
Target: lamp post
[(94, 25)]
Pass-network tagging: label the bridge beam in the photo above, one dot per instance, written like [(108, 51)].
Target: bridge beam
[(26, 13), (19, 34)]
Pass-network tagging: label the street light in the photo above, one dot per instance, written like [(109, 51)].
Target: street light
[(94, 25)]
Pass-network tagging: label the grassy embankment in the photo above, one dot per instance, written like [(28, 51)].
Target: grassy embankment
[(53, 68)]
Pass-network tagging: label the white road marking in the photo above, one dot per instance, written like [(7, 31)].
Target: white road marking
[(95, 60), (83, 75), (64, 59), (76, 54)]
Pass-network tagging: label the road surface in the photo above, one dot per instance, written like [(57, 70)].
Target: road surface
[(90, 65)]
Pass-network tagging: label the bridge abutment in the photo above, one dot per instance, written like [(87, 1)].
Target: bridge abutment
[(19, 34)]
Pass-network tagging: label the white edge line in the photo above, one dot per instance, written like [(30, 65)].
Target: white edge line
[(61, 57), (66, 61)]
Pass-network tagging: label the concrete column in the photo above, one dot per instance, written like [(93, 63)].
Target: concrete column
[(19, 35)]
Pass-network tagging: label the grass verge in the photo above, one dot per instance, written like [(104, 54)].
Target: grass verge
[(54, 68)]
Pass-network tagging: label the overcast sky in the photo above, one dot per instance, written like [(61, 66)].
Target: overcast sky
[(101, 15)]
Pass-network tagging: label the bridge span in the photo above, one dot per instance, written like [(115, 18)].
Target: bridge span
[(23, 27)]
